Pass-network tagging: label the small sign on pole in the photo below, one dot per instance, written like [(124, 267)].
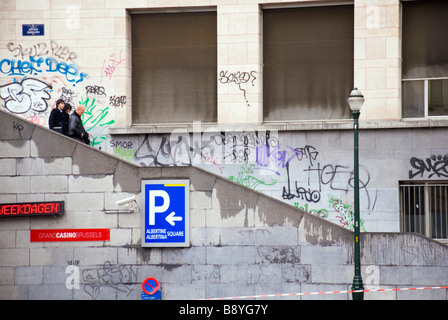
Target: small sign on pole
[(151, 290)]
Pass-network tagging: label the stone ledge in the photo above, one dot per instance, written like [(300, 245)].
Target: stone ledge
[(279, 126)]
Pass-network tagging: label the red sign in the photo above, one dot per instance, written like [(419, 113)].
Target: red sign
[(52, 235), (153, 285), (32, 209)]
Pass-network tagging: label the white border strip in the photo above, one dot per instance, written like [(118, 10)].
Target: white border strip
[(324, 292)]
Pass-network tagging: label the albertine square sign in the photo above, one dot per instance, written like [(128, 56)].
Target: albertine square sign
[(166, 215)]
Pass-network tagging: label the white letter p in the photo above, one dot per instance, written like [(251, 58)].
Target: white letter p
[(152, 204)]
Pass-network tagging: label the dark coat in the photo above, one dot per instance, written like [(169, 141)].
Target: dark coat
[(76, 129), (55, 121), (65, 123)]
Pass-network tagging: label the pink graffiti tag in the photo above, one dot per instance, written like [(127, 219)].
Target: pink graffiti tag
[(112, 66)]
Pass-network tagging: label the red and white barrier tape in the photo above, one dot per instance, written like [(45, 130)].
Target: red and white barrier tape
[(325, 292)]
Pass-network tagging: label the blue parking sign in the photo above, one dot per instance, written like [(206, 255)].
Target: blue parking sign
[(166, 215)]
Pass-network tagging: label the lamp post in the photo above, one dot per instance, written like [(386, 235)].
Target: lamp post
[(356, 100)]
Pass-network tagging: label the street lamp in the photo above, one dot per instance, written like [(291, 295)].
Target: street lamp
[(356, 100)]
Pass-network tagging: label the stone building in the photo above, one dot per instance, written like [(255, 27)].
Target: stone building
[(250, 91)]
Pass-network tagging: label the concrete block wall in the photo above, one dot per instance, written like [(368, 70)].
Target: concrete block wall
[(242, 242), (308, 169), (95, 37)]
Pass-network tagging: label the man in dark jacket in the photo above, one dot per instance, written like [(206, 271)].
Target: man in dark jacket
[(56, 117), (76, 129)]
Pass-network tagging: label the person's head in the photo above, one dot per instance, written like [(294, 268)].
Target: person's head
[(67, 108), (60, 104), (80, 110)]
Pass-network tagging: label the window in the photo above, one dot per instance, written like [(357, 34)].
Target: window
[(425, 59), (424, 208), (174, 63), (308, 62)]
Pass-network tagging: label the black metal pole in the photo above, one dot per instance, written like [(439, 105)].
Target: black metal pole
[(357, 278)]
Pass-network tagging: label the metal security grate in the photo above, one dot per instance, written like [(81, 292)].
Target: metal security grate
[(424, 209)]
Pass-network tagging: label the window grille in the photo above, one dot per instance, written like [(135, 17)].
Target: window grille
[(424, 209)]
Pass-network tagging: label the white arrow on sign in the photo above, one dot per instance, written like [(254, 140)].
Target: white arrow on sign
[(171, 218)]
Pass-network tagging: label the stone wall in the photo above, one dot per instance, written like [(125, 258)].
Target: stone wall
[(242, 242), (94, 39), (309, 169), (308, 164)]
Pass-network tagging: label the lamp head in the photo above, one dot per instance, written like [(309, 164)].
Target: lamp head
[(355, 100)]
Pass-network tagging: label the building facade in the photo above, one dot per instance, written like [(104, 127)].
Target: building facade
[(242, 243), (254, 91)]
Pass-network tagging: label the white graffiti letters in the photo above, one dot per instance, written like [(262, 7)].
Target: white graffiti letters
[(30, 94)]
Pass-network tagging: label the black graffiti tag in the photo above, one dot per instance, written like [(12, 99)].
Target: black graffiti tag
[(436, 165), (238, 78)]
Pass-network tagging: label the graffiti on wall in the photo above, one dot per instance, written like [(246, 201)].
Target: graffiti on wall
[(29, 94), (246, 177), (345, 213), (120, 278), (36, 66), (96, 119), (241, 79), (111, 65), (122, 149), (258, 160), (42, 49), (116, 101), (36, 75), (434, 166), (322, 213)]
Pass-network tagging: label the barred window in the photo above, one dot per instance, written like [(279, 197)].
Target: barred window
[(424, 208)]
